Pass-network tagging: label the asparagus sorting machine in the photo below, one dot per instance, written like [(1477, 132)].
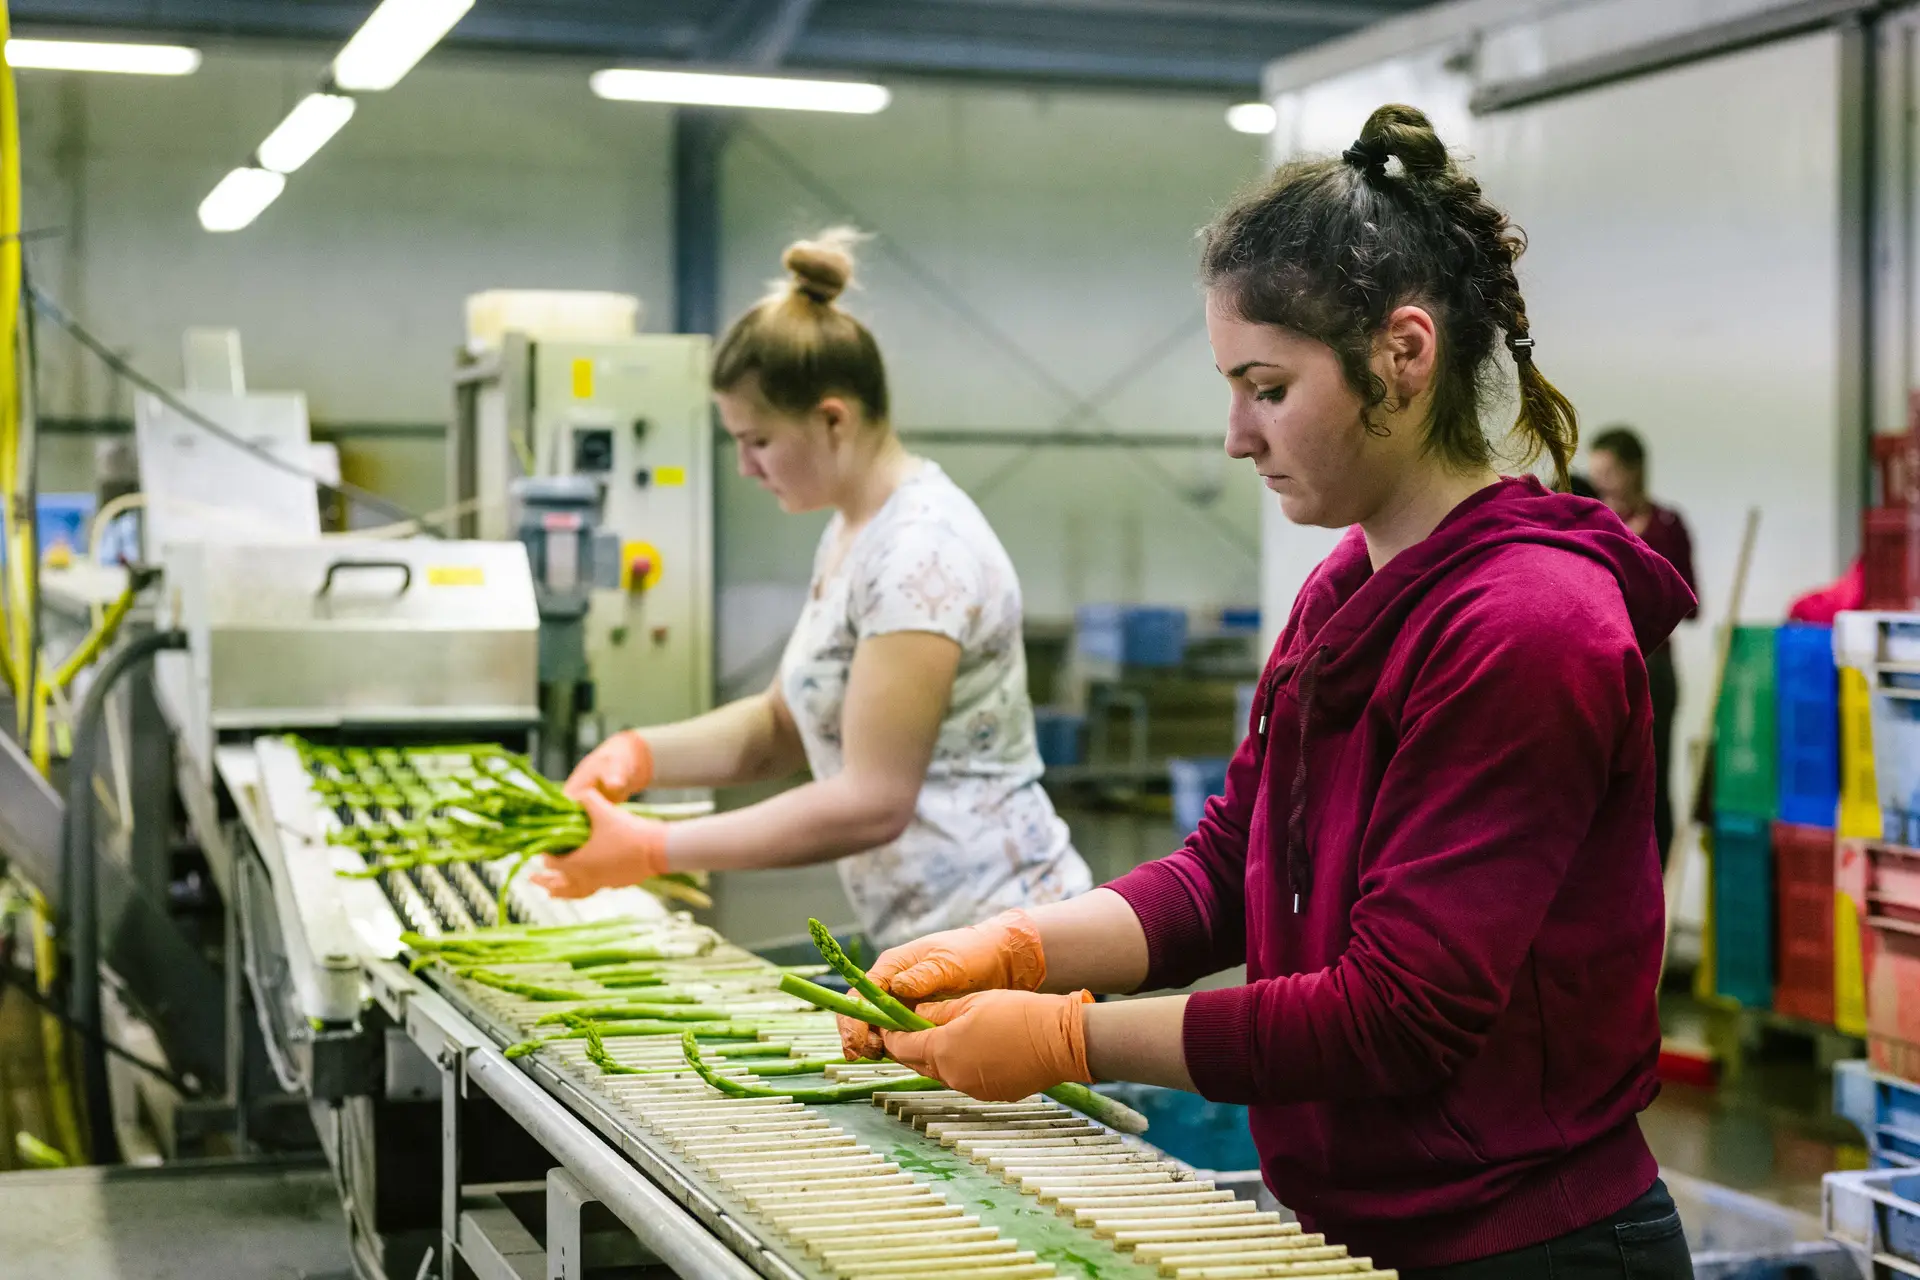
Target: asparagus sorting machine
[(630, 413)]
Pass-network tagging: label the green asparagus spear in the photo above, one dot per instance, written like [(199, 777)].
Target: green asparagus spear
[(847, 1006), (630, 1012), (812, 1097), (1078, 1097)]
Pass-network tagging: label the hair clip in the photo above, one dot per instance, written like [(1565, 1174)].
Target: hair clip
[(1522, 349)]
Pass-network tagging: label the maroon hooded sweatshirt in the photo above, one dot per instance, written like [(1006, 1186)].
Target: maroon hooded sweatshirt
[(1435, 855)]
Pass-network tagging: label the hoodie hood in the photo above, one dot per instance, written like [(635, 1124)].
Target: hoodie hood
[(1349, 615)]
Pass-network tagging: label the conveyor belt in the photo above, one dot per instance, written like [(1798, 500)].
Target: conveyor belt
[(923, 1184)]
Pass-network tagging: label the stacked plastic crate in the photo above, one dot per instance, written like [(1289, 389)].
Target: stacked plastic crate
[(1891, 526), (1807, 727), (1776, 788), (1877, 860), (1745, 799)]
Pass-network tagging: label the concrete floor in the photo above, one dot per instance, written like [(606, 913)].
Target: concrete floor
[(1768, 1128), (191, 1221)]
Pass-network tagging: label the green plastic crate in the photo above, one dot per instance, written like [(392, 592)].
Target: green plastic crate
[(1745, 753)]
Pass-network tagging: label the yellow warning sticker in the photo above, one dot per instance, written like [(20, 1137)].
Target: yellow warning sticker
[(456, 575), (670, 477), (583, 379)]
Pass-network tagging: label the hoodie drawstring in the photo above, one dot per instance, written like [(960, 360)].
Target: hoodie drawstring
[(1299, 865)]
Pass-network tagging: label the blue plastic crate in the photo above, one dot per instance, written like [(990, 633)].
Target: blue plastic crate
[(1884, 1108), (1059, 734), (1131, 635), (1806, 725), (1194, 782), (1240, 621), (1206, 1135), (1743, 909), (1877, 1214)]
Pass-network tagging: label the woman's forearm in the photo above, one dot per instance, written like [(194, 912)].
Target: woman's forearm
[(1094, 942), (817, 822), (744, 741), (1138, 1040)]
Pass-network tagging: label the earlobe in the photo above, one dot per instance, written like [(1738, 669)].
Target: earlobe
[(831, 413)]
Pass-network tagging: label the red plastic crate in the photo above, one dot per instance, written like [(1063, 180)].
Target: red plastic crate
[(1894, 462), (1885, 536), (1890, 945), (1803, 922)]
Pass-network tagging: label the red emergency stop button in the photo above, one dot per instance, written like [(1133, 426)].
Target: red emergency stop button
[(639, 566)]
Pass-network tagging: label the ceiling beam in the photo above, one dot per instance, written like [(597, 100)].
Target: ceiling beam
[(1012, 52), (768, 46), (1331, 14)]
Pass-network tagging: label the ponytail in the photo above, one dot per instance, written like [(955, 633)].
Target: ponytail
[(1547, 422)]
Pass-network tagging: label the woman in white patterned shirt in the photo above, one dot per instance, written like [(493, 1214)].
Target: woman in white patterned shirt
[(903, 687)]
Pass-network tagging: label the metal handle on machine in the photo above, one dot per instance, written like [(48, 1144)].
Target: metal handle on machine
[(360, 566)]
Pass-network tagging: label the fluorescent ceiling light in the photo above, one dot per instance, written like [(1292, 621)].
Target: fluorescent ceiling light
[(393, 38), (313, 120), (94, 55), (1252, 117), (239, 198), (704, 89)]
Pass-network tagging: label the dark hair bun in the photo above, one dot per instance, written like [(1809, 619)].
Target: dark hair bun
[(1406, 132), (821, 268)]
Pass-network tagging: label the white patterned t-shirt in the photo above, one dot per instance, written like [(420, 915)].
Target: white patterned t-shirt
[(984, 837)]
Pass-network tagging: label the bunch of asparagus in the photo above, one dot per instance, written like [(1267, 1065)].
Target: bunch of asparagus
[(469, 803), (872, 1004), (621, 950)]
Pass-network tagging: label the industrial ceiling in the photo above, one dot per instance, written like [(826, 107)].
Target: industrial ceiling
[(1203, 45)]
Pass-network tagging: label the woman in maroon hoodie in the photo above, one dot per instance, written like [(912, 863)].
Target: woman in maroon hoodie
[(1435, 854)]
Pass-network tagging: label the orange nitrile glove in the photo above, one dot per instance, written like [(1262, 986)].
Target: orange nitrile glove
[(999, 1046), (617, 768), (623, 849), (1002, 952)]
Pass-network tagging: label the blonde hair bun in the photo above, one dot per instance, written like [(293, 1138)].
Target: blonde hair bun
[(822, 267)]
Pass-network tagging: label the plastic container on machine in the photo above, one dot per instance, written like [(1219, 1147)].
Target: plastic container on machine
[(553, 315)]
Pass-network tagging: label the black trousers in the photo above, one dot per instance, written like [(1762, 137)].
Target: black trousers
[(1664, 688), (1641, 1242)]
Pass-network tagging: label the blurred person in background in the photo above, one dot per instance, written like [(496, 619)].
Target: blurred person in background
[(1617, 466)]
